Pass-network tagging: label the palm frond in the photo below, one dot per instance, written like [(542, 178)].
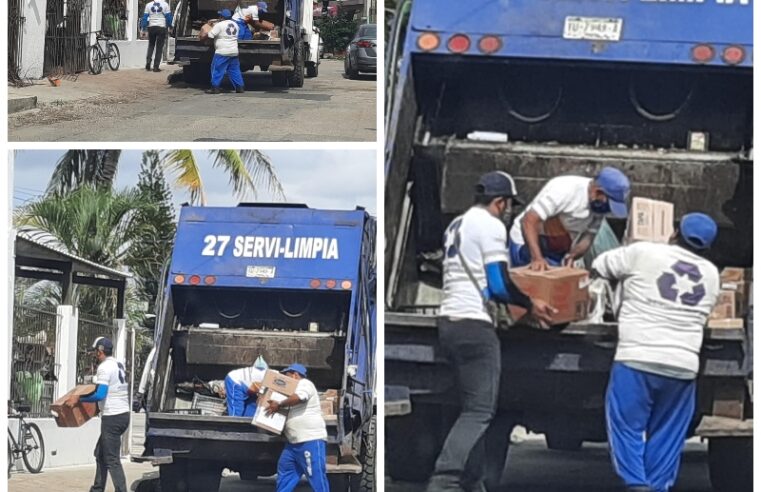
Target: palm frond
[(182, 164), (248, 170)]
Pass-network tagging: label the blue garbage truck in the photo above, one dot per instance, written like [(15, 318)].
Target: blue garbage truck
[(285, 282), (661, 89)]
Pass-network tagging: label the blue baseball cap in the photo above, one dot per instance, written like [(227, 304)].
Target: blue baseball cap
[(616, 187), (698, 230), (262, 6), (225, 13), (103, 344), (497, 184), (297, 368)]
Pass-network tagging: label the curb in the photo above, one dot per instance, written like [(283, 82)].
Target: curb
[(16, 104)]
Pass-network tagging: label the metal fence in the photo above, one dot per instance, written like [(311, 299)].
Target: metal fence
[(16, 21), (67, 36), (34, 369), (114, 19), (90, 328)]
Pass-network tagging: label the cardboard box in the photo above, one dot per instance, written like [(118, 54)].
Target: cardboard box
[(279, 382), (734, 274), (725, 305), (563, 288), (327, 407), (79, 414), (726, 324), (273, 423), (650, 220)]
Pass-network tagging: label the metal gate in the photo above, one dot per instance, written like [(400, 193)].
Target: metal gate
[(15, 39), (67, 36)]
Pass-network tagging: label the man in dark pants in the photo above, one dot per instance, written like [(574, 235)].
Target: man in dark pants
[(475, 272), (112, 395), (157, 19)]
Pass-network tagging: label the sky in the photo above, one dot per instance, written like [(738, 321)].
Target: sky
[(330, 179)]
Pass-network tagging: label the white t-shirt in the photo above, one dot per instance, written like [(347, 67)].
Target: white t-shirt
[(251, 10), (564, 197), (668, 294), (305, 422), (111, 373), (156, 11), (225, 36), (483, 239), (247, 375)]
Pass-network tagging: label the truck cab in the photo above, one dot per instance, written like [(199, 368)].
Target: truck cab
[(288, 57), (289, 283)]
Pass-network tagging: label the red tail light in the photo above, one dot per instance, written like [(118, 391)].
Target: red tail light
[(210, 280), (195, 280), (734, 55), (365, 44), (489, 44), (330, 284), (428, 41), (179, 279), (459, 43), (314, 283), (703, 53)]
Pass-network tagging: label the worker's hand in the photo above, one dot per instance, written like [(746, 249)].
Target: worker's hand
[(72, 401), (569, 260), (272, 407), (254, 389), (538, 265), (542, 312)]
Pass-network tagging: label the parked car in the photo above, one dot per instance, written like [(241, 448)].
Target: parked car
[(360, 54)]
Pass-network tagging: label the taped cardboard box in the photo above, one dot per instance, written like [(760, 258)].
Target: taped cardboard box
[(725, 305), (738, 280), (563, 288), (279, 382), (274, 423), (77, 415), (650, 220)]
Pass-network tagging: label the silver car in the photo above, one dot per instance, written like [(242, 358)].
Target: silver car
[(360, 54)]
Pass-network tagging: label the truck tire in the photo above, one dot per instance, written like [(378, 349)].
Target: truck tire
[(280, 79), (296, 78), (197, 73), (193, 476), (412, 460), (365, 482), (730, 464), (312, 70)]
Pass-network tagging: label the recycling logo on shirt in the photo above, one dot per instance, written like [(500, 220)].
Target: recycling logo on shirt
[(156, 8), (682, 283), (232, 29)]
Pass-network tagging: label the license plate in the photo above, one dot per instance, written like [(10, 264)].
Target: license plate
[(593, 28), (260, 272)]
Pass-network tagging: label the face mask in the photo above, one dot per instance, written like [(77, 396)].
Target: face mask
[(599, 207)]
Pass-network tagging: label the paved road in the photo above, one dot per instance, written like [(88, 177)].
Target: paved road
[(135, 105), (79, 479), (533, 468)]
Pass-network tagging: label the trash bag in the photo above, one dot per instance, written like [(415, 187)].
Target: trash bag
[(261, 364), (604, 241), (601, 296)]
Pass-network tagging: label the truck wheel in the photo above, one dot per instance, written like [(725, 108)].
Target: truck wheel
[(365, 482), (296, 78), (730, 464), (412, 459), (312, 70), (563, 441), (280, 79), (197, 73)]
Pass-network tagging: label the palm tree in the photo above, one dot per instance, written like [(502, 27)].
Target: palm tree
[(248, 171)]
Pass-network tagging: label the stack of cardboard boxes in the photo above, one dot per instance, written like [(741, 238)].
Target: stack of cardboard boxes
[(329, 402), (734, 298)]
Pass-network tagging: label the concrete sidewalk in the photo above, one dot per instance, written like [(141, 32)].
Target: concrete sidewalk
[(122, 84)]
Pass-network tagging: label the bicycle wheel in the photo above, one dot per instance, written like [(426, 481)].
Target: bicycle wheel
[(32, 448), (113, 57), (94, 60)]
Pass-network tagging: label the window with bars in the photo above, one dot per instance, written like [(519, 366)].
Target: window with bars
[(115, 19)]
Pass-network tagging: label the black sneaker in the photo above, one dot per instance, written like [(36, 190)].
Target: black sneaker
[(157, 69), (148, 68), (240, 90), (214, 90)]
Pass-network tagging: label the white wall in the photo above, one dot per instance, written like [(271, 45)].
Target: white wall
[(33, 47), (65, 446)]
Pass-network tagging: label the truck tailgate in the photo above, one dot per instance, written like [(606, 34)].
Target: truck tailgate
[(192, 49)]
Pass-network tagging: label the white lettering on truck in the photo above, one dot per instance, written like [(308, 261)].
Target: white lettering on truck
[(299, 248)]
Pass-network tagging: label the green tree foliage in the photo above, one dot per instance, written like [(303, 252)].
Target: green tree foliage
[(336, 32)]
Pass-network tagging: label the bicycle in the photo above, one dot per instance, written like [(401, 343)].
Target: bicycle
[(27, 444), (97, 55)]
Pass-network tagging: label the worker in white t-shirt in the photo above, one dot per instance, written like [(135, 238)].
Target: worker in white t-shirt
[(305, 430), (157, 20), (248, 21), (242, 388), (669, 290), (225, 61), (112, 395), (560, 224), (475, 273)]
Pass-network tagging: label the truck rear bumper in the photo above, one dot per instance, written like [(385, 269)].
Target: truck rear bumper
[(250, 53)]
